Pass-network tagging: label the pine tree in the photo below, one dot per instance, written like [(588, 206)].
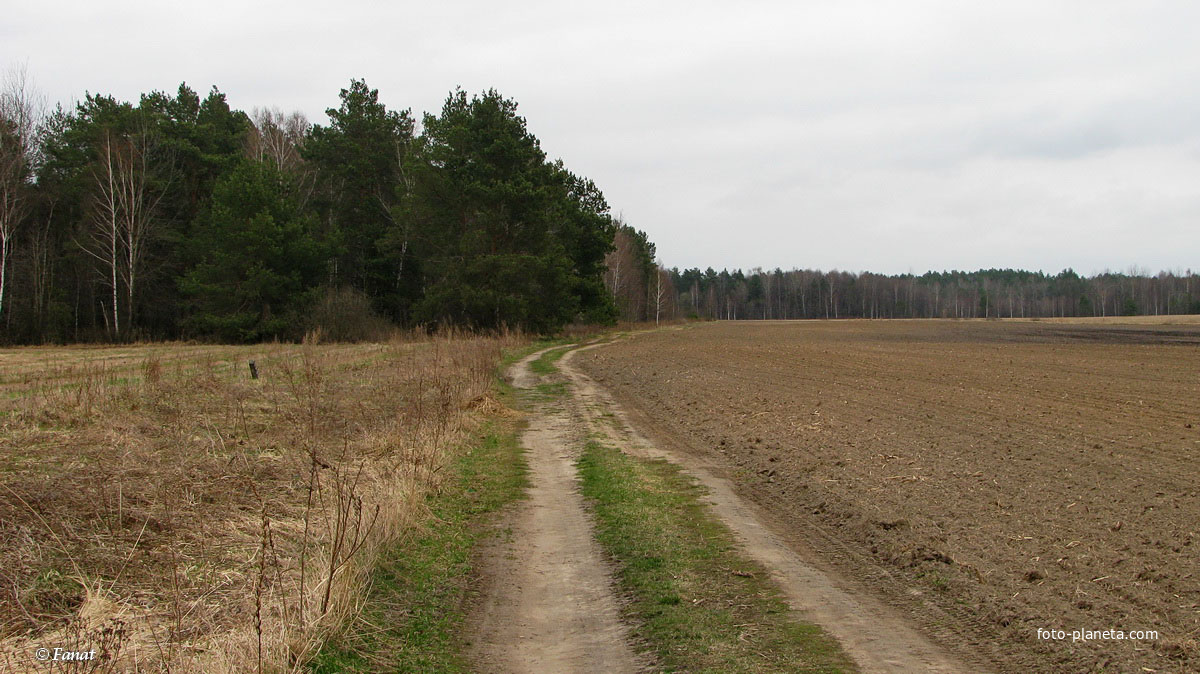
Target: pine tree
[(259, 263), (360, 158), (491, 213)]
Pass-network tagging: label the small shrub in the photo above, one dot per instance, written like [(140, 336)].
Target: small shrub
[(346, 315)]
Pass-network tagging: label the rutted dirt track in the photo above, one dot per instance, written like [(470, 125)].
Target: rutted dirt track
[(548, 602), (986, 478), (872, 634)]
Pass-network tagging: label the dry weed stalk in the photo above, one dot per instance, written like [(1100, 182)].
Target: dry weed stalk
[(219, 523)]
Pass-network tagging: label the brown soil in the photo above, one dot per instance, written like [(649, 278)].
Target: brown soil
[(987, 478), (548, 603), (875, 636)]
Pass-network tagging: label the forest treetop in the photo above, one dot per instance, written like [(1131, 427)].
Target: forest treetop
[(179, 216)]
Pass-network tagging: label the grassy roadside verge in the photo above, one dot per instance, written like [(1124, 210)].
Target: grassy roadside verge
[(698, 604), (416, 611)]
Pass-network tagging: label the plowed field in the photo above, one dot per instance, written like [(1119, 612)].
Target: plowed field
[(989, 478)]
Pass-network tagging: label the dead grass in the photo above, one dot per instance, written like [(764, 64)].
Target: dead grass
[(158, 503)]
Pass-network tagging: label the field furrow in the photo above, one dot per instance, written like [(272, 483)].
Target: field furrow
[(992, 478)]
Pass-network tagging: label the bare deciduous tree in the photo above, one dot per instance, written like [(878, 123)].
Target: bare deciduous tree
[(104, 234), (615, 263), (19, 110), (139, 207), (278, 137), (624, 277), (41, 263), (123, 216), (664, 293)]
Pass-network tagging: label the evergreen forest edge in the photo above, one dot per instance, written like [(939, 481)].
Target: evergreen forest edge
[(181, 217)]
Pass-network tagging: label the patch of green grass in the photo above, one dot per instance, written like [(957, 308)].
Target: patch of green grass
[(415, 612), (699, 604), (544, 364), (552, 390), (512, 356), (936, 580)]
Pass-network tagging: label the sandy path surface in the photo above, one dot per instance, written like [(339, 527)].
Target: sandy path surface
[(874, 634), (548, 603)]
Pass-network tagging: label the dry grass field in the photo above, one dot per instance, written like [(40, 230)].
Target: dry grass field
[(158, 503), (990, 478)]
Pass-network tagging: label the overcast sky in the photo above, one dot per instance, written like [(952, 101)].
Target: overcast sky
[(865, 136)]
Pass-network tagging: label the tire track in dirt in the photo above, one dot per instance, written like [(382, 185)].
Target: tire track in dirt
[(872, 634), (548, 603)]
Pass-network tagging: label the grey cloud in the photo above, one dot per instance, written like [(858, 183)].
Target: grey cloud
[(858, 135)]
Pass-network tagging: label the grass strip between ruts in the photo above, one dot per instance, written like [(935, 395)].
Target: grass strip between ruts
[(698, 604)]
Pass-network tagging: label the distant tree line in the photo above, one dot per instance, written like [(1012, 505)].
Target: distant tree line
[(991, 293), (180, 217)]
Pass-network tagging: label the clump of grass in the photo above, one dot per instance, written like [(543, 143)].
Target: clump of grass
[(699, 604), (552, 389), (545, 364)]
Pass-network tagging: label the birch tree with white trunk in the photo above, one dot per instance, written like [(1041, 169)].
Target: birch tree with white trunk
[(104, 235), (122, 218)]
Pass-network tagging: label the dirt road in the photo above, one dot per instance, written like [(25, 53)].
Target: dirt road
[(873, 634), (548, 601)]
